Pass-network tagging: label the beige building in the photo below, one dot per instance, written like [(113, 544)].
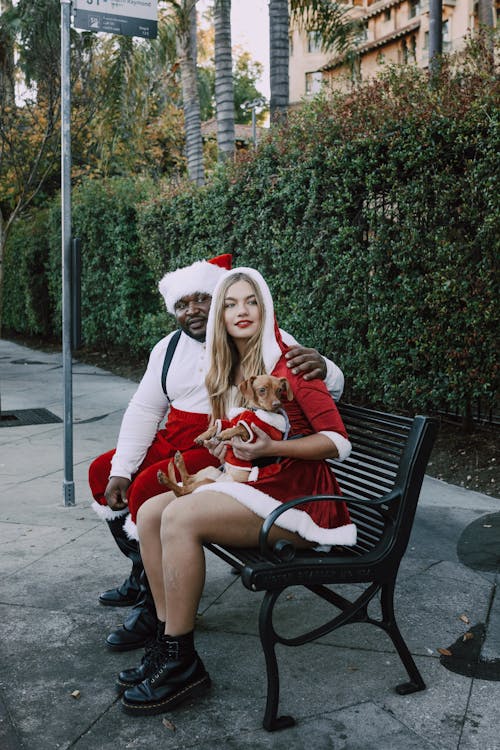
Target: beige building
[(392, 31)]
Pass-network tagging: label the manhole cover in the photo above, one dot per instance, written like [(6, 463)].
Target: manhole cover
[(23, 417)]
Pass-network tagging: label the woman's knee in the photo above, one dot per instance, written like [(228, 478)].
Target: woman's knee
[(150, 512), (178, 516)]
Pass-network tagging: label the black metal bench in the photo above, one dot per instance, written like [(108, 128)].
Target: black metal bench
[(381, 483)]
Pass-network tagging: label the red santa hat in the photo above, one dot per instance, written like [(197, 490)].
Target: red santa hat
[(201, 276)]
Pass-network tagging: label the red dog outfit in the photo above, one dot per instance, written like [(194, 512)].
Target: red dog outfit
[(273, 424)]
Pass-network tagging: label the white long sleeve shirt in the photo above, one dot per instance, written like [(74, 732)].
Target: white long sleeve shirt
[(186, 391)]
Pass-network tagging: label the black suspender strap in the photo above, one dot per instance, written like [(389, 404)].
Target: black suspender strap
[(172, 344)]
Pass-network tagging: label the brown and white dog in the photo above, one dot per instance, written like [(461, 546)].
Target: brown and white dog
[(263, 395)]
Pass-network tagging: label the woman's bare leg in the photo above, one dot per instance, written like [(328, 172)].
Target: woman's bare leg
[(187, 523), (148, 526)]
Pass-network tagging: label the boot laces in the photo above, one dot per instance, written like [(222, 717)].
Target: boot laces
[(166, 651)]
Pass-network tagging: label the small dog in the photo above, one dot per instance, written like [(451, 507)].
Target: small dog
[(263, 395)]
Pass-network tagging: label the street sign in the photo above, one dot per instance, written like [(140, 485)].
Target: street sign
[(126, 17)]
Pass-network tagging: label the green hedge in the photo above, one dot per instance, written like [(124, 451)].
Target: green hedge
[(375, 218)]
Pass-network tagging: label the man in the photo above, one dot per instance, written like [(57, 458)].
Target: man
[(174, 381)]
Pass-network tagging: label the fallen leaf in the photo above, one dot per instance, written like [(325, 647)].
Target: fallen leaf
[(468, 636), (75, 694), (465, 619), (445, 651), (168, 725)]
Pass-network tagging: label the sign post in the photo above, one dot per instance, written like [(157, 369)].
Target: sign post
[(126, 17), (68, 482), (129, 18)]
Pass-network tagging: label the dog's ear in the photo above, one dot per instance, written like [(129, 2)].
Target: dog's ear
[(286, 385), (246, 388)]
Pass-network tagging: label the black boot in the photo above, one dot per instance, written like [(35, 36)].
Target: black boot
[(140, 626), (149, 662), (179, 676), (126, 594)]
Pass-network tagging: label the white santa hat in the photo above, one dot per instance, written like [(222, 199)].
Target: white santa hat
[(200, 277)]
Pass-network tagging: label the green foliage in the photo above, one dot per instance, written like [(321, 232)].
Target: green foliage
[(374, 217), (117, 288), (27, 304)]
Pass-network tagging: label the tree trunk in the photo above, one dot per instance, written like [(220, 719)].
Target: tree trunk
[(485, 13), (7, 84), (186, 48), (224, 89), (279, 57)]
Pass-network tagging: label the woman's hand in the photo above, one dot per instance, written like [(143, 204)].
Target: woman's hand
[(216, 448), (261, 446)]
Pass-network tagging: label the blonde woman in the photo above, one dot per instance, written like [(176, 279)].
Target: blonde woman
[(242, 340)]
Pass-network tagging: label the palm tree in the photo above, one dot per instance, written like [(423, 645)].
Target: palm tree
[(279, 58), (185, 20), (224, 87), (325, 16), (7, 87)]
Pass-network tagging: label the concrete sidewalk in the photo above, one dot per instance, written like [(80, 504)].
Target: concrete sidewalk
[(54, 560)]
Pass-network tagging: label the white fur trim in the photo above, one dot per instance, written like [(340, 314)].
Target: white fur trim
[(343, 445), (234, 411), (272, 419), (130, 529), (293, 519), (105, 512), (254, 474), (247, 428), (198, 277), (271, 351)]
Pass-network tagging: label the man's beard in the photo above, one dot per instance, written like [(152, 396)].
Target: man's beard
[(200, 337)]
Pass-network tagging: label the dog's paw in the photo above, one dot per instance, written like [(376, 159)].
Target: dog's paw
[(162, 477)]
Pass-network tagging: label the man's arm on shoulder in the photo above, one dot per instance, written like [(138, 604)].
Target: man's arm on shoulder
[(142, 417), (313, 365)]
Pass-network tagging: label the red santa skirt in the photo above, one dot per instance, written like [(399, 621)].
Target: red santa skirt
[(325, 523)]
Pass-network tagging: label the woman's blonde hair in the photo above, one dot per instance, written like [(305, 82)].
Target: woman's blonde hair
[(224, 355)]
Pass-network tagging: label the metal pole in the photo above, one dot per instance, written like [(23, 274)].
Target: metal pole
[(435, 35), (68, 483), (254, 127)]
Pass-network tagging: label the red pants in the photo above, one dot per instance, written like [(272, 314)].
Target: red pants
[(181, 429)]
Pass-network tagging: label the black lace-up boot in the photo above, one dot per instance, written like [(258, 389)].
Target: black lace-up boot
[(180, 675), (149, 662), (139, 628)]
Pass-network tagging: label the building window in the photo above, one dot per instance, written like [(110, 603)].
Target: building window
[(414, 8), (404, 51), (314, 41), (413, 47), (362, 35), (446, 36), (313, 82), (387, 14)]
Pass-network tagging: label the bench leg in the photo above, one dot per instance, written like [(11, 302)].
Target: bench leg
[(269, 638), (387, 602)]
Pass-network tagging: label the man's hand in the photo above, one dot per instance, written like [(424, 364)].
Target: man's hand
[(248, 451), (116, 493), (307, 362)]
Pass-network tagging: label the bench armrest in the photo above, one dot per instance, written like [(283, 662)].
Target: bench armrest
[(270, 520)]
